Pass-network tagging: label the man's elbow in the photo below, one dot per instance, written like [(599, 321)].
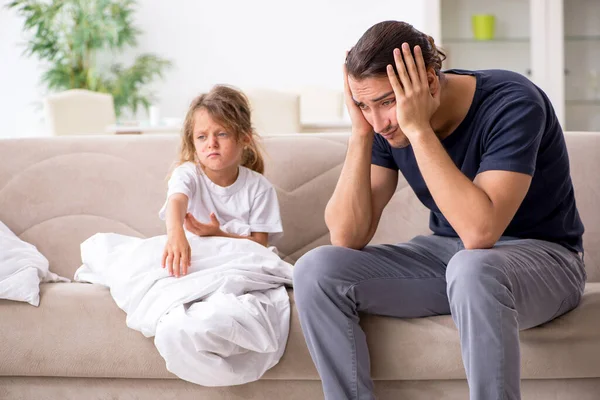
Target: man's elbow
[(346, 241), (478, 240), (343, 236)]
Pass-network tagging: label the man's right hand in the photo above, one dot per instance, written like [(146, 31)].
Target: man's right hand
[(178, 254), (360, 126)]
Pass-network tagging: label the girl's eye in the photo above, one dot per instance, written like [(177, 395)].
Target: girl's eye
[(223, 134), (201, 137)]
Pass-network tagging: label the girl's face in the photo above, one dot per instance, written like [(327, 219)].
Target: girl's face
[(217, 149)]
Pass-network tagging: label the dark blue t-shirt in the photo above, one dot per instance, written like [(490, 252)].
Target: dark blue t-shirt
[(510, 126)]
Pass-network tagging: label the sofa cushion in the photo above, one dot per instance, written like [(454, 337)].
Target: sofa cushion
[(78, 331), (429, 348)]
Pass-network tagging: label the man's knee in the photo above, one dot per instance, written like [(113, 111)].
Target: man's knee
[(474, 273), (318, 270)]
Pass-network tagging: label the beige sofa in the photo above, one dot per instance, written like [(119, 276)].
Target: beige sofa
[(56, 192)]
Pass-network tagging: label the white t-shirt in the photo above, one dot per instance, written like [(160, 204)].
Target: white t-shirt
[(248, 205)]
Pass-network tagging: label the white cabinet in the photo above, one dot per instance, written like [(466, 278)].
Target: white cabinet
[(510, 46), (556, 43)]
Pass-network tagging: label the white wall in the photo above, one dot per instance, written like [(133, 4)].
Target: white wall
[(262, 43), (20, 94)]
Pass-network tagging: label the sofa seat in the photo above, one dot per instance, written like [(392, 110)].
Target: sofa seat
[(78, 331)]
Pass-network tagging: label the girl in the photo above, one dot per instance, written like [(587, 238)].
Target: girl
[(218, 188)]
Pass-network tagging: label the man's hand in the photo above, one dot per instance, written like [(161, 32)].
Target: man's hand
[(360, 126), (414, 103), (213, 228)]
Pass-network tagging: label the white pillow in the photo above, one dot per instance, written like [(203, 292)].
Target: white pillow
[(22, 268)]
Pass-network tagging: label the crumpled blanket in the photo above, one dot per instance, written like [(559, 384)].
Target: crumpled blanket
[(22, 269), (225, 323)]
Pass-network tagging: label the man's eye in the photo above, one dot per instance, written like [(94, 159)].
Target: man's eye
[(387, 102), (362, 106)]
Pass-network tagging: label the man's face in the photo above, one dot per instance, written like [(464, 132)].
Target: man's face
[(375, 97)]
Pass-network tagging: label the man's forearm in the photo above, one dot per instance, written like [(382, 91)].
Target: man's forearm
[(349, 212), (466, 207)]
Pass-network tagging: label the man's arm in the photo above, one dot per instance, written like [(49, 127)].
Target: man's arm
[(383, 186), (362, 192), (479, 211)]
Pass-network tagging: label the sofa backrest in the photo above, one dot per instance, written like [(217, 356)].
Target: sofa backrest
[(584, 156), (57, 192)]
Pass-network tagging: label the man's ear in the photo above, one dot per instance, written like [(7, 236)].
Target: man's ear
[(433, 81)]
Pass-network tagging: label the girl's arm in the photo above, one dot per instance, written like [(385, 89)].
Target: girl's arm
[(258, 237), (176, 209), (213, 229), (177, 255)]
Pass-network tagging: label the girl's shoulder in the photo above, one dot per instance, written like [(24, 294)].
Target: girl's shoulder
[(187, 168), (254, 179), (186, 173)]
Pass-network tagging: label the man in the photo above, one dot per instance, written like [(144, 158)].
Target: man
[(483, 150)]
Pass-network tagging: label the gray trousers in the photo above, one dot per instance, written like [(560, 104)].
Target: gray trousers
[(491, 294)]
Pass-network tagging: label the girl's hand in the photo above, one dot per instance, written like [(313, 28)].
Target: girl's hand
[(414, 103), (178, 254), (360, 126), (213, 228)]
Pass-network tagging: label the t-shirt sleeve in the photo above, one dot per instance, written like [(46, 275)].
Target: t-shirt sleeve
[(513, 141), (183, 180), (265, 215), (381, 154)]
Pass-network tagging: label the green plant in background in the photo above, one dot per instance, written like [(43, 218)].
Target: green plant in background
[(70, 35)]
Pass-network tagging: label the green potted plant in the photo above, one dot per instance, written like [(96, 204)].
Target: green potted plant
[(69, 37)]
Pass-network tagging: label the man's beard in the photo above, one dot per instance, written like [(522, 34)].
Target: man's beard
[(398, 140)]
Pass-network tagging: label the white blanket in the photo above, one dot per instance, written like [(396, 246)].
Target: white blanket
[(225, 323), (22, 268)]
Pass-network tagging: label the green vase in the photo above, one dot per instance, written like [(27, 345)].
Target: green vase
[(483, 26)]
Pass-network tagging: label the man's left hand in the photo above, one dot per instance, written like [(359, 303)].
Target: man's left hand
[(415, 104)]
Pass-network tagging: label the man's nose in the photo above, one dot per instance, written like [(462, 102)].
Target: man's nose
[(380, 122)]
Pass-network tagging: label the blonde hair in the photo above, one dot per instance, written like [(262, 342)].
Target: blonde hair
[(230, 108)]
